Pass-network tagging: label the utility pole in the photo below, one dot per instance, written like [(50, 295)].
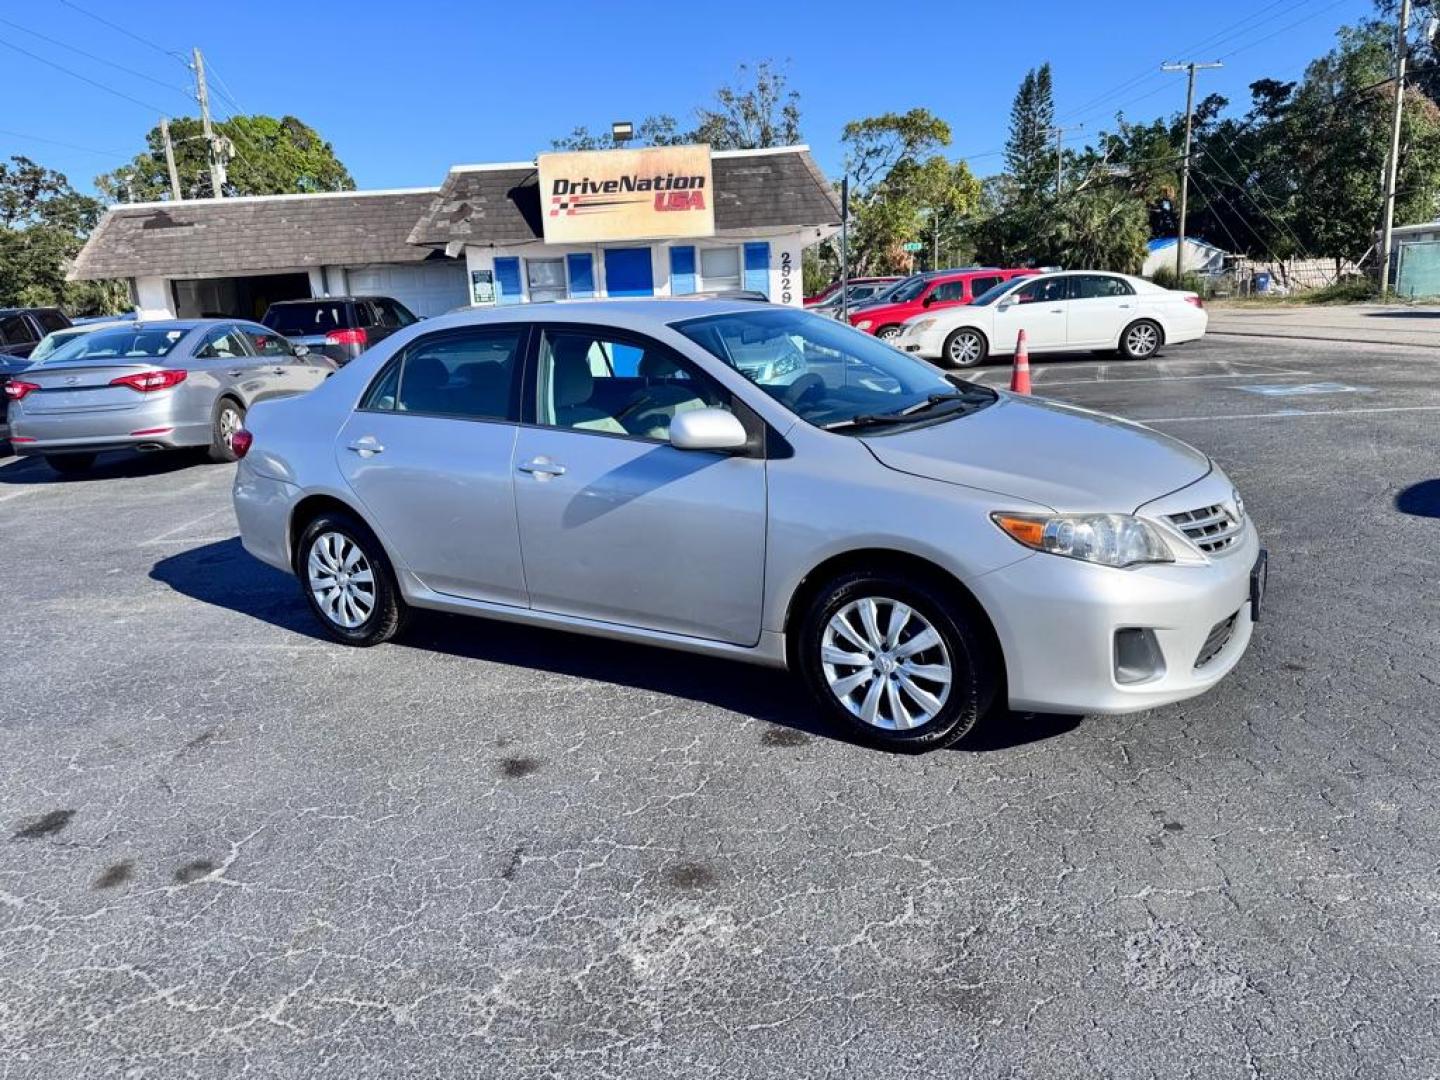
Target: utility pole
[(1190, 67), (1392, 164), (212, 144), (170, 159), (1059, 133)]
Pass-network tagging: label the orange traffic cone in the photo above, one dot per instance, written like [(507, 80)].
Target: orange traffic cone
[(1020, 377)]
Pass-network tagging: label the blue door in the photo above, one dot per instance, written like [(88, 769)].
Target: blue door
[(628, 273)]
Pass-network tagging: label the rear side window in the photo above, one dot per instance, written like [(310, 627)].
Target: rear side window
[(462, 373), (948, 291), (394, 314), (365, 314), (301, 320), (984, 284), (1097, 286), (15, 330)]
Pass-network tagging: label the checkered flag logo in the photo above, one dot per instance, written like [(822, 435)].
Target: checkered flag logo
[(560, 204)]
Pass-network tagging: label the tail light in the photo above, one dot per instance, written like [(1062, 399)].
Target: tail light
[(1195, 300), (240, 442), (146, 381), (16, 389), (358, 336)]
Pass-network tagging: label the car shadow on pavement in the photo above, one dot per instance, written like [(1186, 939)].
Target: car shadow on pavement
[(1403, 314), (32, 470), (1420, 500), (224, 575)]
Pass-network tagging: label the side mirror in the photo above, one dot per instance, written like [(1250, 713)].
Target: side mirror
[(1006, 304), (707, 429), (928, 300), (301, 350)]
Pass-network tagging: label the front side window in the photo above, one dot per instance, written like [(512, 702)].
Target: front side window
[(266, 342), (1098, 286), (1043, 291), (469, 374), (828, 374), (597, 380), (546, 279), (719, 268)]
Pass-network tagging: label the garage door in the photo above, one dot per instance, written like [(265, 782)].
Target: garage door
[(432, 288)]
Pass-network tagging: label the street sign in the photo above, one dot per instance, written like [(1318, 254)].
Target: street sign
[(914, 245)]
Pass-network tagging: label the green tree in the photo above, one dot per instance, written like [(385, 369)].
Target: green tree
[(1029, 153), (659, 129), (43, 224), (270, 156)]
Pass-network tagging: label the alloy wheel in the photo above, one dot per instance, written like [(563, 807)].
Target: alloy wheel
[(341, 579), (964, 348), (230, 423), (886, 663), (1142, 339)]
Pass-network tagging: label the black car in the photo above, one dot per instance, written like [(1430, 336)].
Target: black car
[(20, 331), (341, 327)]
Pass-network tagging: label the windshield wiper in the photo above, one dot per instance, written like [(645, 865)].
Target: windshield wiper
[(911, 413)]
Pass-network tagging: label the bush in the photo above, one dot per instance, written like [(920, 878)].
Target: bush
[(1189, 282)]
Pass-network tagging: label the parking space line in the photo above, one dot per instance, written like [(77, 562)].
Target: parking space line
[(1171, 378), (1288, 414), (168, 533)]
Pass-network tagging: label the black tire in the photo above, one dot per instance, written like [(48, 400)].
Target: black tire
[(1141, 340), (975, 667), (888, 333), (957, 355), (220, 430), (387, 612), (70, 464)]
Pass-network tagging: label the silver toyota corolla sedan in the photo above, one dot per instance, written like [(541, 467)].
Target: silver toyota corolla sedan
[(918, 547), (152, 386)]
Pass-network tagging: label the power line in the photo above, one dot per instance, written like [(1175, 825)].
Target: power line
[(1287, 28), (91, 56), (223, 88), (173, 54), (57, 142), (83, 78)]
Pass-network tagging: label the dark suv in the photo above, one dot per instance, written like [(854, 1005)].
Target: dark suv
[(20, 331), (341, 327)]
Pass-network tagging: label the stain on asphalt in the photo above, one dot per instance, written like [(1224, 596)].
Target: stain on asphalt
[(202, 740), (513, 768), (1290, 666), (1173, 827), (194, 871), (508, 874), (783, 736), (116, 875), (689, 875), (44, 825)]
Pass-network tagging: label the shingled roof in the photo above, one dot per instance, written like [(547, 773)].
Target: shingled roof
[(755, 191), (253, 235)]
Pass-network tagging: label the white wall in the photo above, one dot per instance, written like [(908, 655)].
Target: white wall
[(153, 298)]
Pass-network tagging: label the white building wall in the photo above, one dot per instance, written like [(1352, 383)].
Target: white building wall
[(153, 298)]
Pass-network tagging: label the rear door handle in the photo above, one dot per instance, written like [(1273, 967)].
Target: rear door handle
[(278, 370), (368, 446), (236, 373), (542, 468)]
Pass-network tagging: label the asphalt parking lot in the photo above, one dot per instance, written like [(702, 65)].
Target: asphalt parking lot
[(231, 848)]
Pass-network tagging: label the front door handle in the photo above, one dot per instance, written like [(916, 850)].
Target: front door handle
[(542, 468), (1057, 311), (236, 373), (278, 370), (368, 446)]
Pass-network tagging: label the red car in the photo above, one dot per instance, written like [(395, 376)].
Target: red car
[(834, 287), (924, 292)]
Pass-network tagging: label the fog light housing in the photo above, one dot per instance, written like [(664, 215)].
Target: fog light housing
[(1138, 657)]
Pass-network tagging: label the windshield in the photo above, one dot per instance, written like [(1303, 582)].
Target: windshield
[(905, 290), (824, 372), (119, 344), (990, 295)]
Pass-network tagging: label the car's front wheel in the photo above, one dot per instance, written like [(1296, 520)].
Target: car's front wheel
[(966, 348), (348, 581), (1141, 340), (896, 662), (888, 333)]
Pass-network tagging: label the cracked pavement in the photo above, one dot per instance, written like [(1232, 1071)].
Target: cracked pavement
[(230, 848)]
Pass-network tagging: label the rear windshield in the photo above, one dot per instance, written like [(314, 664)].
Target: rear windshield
[(298, 320), (118, 344)]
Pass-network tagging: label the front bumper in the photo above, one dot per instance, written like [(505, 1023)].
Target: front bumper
[(928, 344), (1057, 620)]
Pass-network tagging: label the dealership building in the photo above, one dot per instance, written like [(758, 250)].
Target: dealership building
[(662, 221)]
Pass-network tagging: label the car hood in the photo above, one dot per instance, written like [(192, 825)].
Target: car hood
[(1069, 459)]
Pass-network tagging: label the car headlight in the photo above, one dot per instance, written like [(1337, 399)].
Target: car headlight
[(863, 324), (921, 326), (1107, 539)]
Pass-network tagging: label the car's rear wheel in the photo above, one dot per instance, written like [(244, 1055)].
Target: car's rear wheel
[(888, 333), (229, 418), (70, 464), (895, 662), (1141, 340), (966, 348), (348, 581)]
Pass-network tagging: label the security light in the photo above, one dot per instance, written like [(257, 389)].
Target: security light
[(622, 131)]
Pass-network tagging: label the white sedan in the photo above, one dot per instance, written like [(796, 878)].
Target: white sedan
[(1059, 312)]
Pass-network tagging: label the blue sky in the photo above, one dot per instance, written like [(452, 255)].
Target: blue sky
[(405, 90)]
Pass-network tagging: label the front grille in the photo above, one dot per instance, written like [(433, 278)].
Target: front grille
[(1216, 640), (1211, 528)]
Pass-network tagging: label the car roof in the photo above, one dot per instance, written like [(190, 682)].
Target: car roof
[(329, 299), (637, 311), (23, 310)]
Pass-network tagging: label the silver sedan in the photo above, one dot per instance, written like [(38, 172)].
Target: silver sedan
[(153, 386), (765, 484)]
